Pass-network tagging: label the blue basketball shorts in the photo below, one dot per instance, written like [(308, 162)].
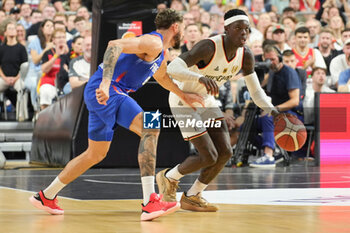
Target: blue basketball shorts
[(121, 110)]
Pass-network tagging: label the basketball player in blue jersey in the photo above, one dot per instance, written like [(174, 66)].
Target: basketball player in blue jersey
[(127, 65), (218, 58)]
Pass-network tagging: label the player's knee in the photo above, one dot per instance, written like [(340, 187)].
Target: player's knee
[(95, 157), (209, 158), (226, 154)]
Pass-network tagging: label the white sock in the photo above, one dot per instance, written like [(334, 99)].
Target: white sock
[(174, 173), (147, 188), (56, 186), (196, 188)]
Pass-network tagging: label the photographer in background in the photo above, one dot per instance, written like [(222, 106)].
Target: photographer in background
[(283, 84)]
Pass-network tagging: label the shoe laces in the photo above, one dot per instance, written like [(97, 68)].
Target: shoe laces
[(173, 188), (157, 198), (262, 159)]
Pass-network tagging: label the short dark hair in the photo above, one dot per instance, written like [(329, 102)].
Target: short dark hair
[(233, 12), (166, 18), (315, 68), (345, 30), (78, 19), (269, 42), (288, 9), (287, 53), (302, 30), (269, 48)]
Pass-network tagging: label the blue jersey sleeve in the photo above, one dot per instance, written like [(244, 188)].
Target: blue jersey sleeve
[(344, 77)]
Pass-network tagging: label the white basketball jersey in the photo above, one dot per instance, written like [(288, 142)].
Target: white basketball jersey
[(218, 69)]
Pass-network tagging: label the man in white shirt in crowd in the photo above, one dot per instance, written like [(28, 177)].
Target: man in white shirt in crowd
[(79, 68), (340, 63), (318, 85)]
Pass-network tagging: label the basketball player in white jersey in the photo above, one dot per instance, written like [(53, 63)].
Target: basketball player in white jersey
[(209, 64)]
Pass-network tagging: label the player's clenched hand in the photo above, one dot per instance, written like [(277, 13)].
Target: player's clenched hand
[(210, 85), (191, 99), (102, 93)]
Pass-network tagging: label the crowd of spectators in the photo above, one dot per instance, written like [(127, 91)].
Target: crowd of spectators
[(39, 40), (311, 40)]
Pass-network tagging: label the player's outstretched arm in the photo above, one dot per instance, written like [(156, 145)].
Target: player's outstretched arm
[(166, 82), (256, 92), (148, 45), (202, 52)]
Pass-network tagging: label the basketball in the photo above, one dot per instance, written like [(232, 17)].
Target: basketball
[(290, 133)]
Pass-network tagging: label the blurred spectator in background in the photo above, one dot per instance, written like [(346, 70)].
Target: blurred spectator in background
[(12, 55), (21, 34), (7, 5), (307, 57), (206, 31), (80, 25), (79, 68), (318, 85), (337, 26), (314, 27), (325, 47), (289, 22), (256, 47), (268, 32), (177, 5), (263, 22), (288, 12), (36, 48), (58, 4), (195, 11), (15, 13), (54, 67), (60, 25), (290, 60), (43, 4), (77, 47), (70, 24), (295, 4), (188, 18), (279, 35), (73, 5), (274, 17), (339, 64), (35, 17), (344, 81), (192, 36), (205, 17), (47, 13), (283, 84), (174, 53), (26, 12), (83, 12)]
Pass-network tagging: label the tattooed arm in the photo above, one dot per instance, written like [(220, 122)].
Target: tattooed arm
[(147, 47)]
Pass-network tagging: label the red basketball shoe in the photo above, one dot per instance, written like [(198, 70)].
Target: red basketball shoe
[(41, 202), (156, 208)]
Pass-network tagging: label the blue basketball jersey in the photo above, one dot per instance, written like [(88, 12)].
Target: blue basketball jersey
[(130, 72)]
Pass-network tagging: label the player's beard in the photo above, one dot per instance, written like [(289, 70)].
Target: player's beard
[(177, 40)]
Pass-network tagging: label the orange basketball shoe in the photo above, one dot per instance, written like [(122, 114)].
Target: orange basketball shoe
[(156, 208), (41, 202)]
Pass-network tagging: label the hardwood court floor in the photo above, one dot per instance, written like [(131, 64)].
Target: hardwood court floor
[(108, 200)]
